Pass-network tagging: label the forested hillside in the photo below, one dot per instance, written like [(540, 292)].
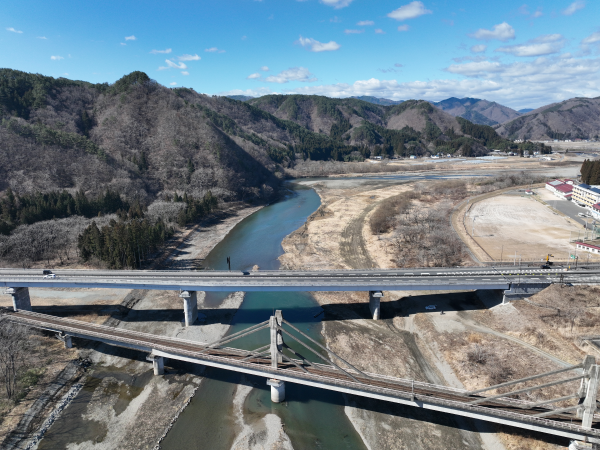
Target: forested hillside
[(576, 118), (411, 127), (482, 112)]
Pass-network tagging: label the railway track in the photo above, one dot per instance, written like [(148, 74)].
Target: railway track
[(397, 390)]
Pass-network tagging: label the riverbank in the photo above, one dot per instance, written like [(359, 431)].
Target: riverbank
[(120, 392), (408, 342)]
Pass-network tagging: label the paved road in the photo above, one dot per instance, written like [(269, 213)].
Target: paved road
[(570, 209), (350, 280)]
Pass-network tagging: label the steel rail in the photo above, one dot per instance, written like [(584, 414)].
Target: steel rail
[(520, 391), (522, 380)]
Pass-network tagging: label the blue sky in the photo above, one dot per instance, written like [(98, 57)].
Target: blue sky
[(516, 53)]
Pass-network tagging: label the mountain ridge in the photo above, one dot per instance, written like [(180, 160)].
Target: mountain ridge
[(575, 118)]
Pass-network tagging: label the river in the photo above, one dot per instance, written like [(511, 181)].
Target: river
[(313, 418)]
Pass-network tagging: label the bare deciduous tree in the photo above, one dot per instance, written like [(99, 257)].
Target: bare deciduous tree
[(14, 344)]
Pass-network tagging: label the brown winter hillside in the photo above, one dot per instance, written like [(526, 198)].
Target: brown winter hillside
[(478, 111), (575, 118), (135, 137)]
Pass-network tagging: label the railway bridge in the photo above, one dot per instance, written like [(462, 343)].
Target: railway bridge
[(282, 359)]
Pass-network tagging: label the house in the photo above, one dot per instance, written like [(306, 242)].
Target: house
[(413, 157), (563, 189), (588, 247), (586, 195)]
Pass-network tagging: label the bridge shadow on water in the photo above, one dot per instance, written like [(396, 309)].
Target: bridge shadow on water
[(390, 308)]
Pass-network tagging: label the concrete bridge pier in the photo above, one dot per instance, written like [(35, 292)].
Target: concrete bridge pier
[(67, 339), (190, 306), (20, 298), (277, 390), (375, 304), (158, 364)]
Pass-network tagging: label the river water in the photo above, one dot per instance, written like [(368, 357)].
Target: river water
[(313, 418)]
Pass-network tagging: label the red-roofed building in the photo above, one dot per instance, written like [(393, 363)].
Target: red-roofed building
[(563, 189), (596, 211), (588, 247)]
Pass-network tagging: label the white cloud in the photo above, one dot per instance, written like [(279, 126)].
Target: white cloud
[(475, 69), (244, 38), (173, 84), (365, 23), (212, 49), (315, 46), (478, 48), (574, 7), (537, 13), (335, 19), (503, 32), (254, 76), (337, 4), (56, 58), (258, 92), (123, 43), (185, 72), (264, 68), (410, 11), (156, 52), (354, 31), (403, 28), (43, 37), (519, 85), (130, 38), (592, 38), (379, 31), (13, 30), (292, 74), (173, 65), (189, 58), (540, 46)]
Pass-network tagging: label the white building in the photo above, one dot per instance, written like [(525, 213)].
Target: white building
[(586, 195), (562, 189)]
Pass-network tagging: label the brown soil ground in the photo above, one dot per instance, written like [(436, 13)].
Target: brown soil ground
[(510, 223)]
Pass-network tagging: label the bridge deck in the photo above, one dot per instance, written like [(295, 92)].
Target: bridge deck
[(503, 410)]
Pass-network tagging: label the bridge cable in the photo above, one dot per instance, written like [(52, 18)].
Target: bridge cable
[(324, 348), (321, 356)]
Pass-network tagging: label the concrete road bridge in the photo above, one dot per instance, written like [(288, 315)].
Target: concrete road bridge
[(514, 281), (572, 416)]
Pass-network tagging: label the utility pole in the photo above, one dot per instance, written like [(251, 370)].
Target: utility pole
[(229, 263), (501, 253)]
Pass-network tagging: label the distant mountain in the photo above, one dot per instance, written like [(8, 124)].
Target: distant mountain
[(477, 110), (241, 98), (525, 110), (378, 101), (574, 118), (413, 126)]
